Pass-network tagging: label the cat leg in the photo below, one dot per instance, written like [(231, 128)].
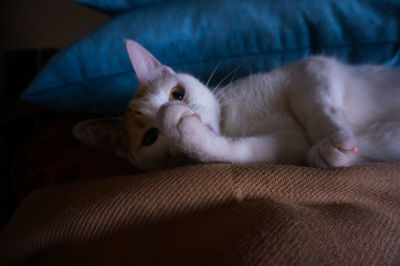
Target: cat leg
[(186, 131), (333, 144), (317, 101)]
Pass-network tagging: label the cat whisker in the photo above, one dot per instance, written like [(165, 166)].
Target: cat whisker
[(212, 74), (221, 92), (220, 96), (222, 102), (230, 73)]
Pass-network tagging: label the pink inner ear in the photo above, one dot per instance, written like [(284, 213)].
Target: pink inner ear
[(146, 66)]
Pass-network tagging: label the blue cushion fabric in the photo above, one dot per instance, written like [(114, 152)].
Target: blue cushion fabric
[(115, 6), (94, 74)]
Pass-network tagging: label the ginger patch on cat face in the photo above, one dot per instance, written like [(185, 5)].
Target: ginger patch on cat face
[(141, 92), (137, 125)]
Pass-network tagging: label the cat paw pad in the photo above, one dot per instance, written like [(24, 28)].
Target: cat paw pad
[(344, 141), (338, 150)]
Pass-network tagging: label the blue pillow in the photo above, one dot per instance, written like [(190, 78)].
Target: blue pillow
[(94, 74), (115, 6)]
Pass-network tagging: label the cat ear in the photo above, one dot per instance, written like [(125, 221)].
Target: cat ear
[(146, 66), (103, 133)]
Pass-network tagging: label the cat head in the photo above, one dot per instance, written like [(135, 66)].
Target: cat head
[(136, 135)]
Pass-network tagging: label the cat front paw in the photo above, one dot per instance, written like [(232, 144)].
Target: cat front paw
[(337, 150), (185, 129), (170, 115)]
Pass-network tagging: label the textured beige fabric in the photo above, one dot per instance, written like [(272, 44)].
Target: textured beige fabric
[(214, 215)]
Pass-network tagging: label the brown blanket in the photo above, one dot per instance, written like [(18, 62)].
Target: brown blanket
[(213, 215)]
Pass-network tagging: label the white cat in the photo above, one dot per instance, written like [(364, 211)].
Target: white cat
[(317, 111)]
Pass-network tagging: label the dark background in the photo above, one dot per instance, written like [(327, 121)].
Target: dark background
[(30, 33)]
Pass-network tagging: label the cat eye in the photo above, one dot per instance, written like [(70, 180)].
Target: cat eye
[(176, 93), (150, 137)]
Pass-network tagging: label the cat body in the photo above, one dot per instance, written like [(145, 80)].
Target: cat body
[(317, 111), (314, 99)]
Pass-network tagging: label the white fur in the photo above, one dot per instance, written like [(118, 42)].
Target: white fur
[(317, 111)]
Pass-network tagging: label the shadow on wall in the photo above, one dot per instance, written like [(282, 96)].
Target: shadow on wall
[(45, 23), (30, 33)]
